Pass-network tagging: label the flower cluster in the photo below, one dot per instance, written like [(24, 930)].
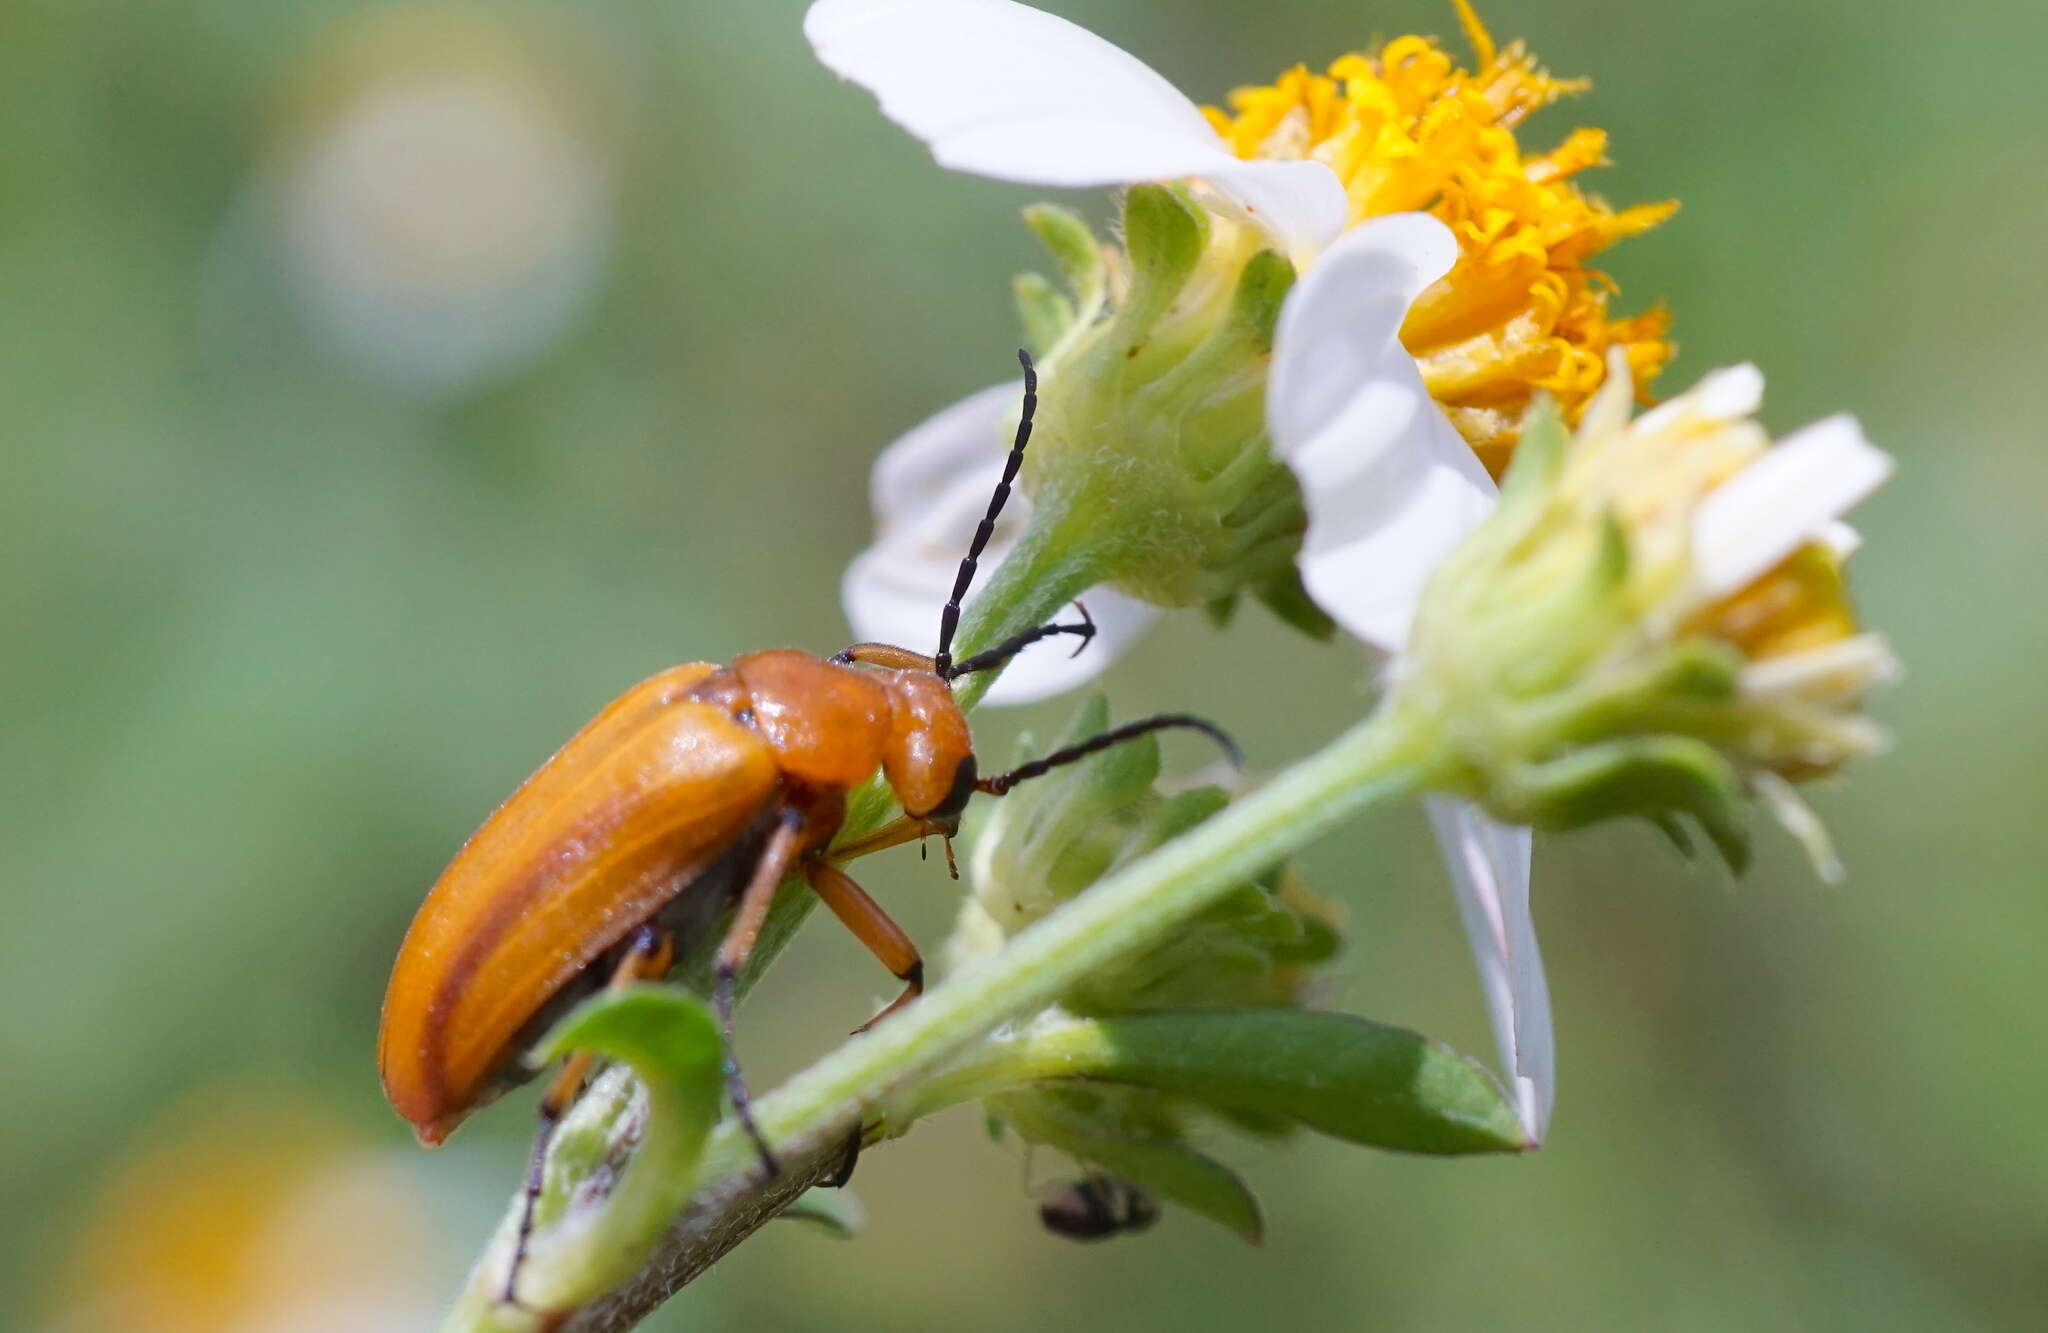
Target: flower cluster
[(1375, 254), (1155, 364)]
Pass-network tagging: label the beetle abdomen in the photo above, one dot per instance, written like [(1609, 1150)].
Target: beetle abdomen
[(624, 817)]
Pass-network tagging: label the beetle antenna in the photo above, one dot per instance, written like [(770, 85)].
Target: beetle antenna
[(949, 619), (1002, 782)]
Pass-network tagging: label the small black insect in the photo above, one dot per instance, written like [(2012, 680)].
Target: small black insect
[(1096, 1208)]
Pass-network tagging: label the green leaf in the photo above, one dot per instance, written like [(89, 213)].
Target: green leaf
[(1353, 1079), (837, 1212), (1649, 775), (671, 1042), (1286, 598)]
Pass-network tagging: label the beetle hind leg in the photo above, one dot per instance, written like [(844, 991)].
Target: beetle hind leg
[(647, 958), (777, 859)]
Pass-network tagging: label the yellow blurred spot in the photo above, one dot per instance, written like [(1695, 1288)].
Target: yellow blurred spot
[(243, 1211)]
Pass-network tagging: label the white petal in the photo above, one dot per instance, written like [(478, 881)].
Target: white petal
[(1301, 206), (1797, 818), (931, 488), (1729, 394), (1489, 865), (927, 460), (1845, 669), (1390, 486), (1004, 90), (1342, 317), (1841, 540), (1786, 498), (1053, 667)]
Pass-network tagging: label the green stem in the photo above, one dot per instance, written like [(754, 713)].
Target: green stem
[(1126, 912), (1066, 1048)]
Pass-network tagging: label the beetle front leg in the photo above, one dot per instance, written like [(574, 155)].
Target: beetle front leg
[(873, 927)]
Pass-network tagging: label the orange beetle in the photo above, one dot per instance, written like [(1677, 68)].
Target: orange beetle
[(698, 790)]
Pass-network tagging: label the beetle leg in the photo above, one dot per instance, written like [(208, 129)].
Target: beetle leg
[(777, 859), (855, 1140), (872, 927), (882, 655), (647, 958)]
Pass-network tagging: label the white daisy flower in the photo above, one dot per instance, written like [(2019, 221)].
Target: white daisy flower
[(1389, 485)]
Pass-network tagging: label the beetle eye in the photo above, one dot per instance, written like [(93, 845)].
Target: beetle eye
[(956, 799)]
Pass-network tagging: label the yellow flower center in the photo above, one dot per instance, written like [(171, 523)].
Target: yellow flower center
[(1407, 130), (1800, 604), (1652, 474)]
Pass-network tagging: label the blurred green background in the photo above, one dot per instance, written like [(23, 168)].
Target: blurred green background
[(324, 520)]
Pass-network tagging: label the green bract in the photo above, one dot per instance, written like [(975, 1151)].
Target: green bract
[(1151, 451)]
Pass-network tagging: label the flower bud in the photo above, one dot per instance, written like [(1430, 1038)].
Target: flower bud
[(1151, 437), (1653, 621)]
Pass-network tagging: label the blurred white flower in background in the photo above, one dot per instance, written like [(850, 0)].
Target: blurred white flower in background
[(442, 198)]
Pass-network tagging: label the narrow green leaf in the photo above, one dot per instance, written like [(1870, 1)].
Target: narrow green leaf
[(837, 1212), (1647, 775), (1348, 1077), (1286, 598)]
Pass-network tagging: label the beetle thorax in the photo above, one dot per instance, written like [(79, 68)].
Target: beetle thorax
[(832, 726)]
